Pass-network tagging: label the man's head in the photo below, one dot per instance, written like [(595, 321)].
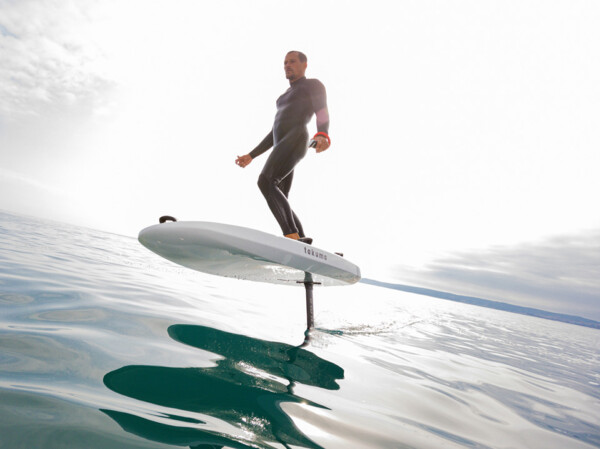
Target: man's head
[(295, 64)]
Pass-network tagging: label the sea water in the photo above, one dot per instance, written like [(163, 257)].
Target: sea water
[(105, 345)]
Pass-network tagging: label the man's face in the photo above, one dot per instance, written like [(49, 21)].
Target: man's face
[(294, 69)]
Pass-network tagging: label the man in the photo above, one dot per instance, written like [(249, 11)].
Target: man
[(289, 139)]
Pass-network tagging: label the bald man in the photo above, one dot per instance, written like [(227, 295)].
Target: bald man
[(289, 139)]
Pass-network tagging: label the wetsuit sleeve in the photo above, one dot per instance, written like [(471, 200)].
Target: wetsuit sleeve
[(266, 143), (318, 96)]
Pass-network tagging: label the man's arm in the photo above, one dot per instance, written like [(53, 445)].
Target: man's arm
[(318, 97), (263, 146)]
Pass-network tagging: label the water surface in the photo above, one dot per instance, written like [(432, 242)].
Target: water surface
[(105, 345)]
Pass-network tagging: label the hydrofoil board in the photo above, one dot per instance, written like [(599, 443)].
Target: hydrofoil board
[(244, 253)]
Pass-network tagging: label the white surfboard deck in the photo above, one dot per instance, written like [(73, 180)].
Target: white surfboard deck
[(244, 253)]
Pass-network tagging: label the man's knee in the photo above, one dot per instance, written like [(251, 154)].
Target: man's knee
[(264, 183)]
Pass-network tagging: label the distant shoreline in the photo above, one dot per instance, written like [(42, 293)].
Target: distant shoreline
[(529, 311)]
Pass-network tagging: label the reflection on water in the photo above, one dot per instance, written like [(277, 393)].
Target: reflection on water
[(245, 390), (417, 372)]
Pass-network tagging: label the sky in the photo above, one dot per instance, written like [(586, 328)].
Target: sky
[(459, 128)]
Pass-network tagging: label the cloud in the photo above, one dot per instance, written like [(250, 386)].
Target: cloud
[(49, 59), (14, 177), (22, 194), (559, 274)]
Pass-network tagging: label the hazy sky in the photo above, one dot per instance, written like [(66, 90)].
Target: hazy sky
[(456, 125), (558, 274)]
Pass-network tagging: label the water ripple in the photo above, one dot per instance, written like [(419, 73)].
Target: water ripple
[(103, 344)]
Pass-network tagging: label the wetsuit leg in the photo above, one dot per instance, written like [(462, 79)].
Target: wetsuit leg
[(279, 166), (285, 185)]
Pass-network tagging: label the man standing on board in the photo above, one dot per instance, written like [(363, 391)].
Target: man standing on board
[(289, 139)]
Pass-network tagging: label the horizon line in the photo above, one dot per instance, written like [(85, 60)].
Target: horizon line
[(487, 303)]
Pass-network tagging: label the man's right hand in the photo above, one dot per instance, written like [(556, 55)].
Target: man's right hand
[(244, 160)]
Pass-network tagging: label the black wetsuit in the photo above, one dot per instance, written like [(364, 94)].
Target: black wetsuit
[(289, 139)]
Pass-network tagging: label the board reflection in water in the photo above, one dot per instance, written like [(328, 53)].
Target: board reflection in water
[(245, 390)]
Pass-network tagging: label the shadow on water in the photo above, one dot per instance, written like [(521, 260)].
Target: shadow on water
[(245, 390)]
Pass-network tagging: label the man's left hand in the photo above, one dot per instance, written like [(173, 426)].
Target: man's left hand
[(322, 143)]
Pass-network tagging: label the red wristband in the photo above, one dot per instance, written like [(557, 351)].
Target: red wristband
[(324, 135)]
